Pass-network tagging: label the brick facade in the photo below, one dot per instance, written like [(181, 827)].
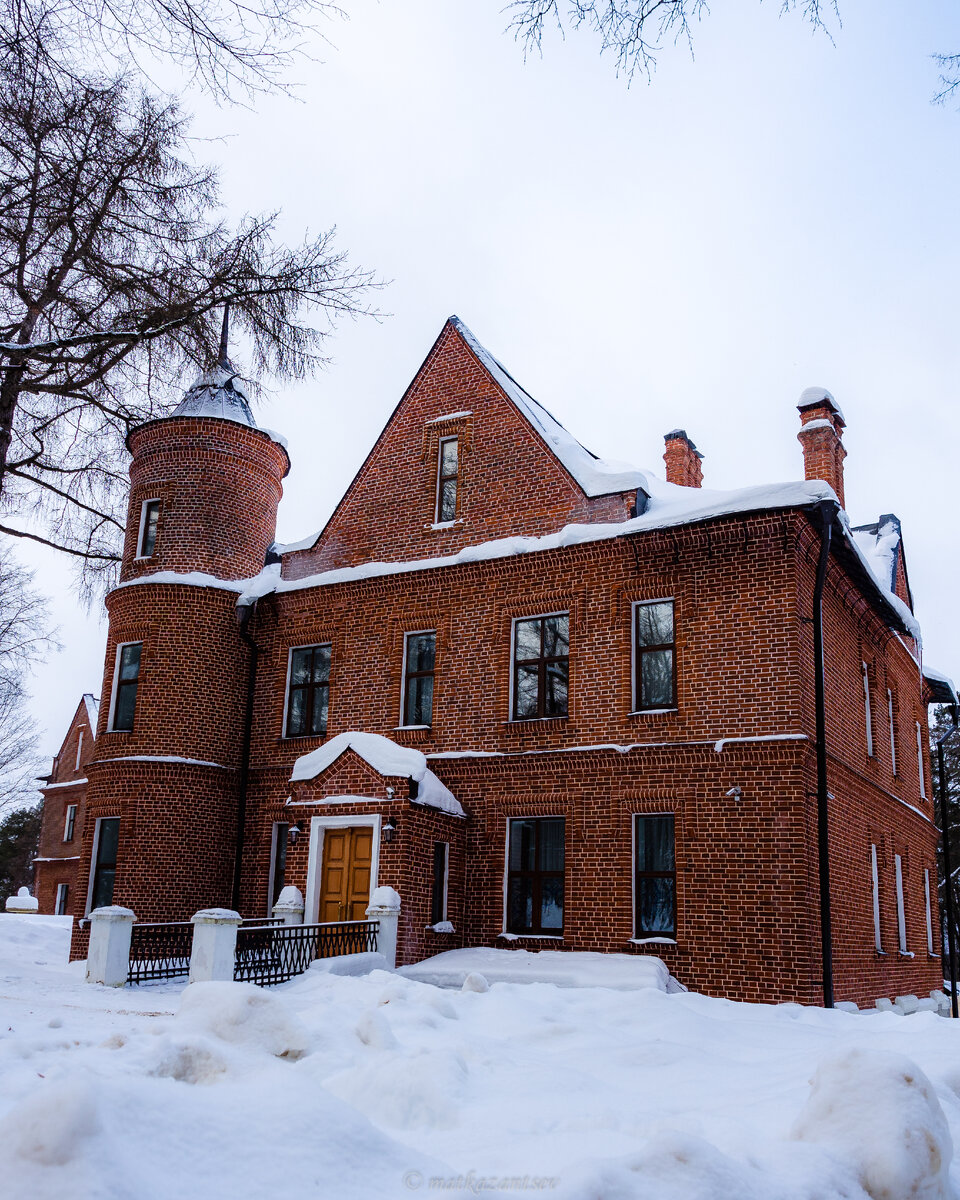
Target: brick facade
[(733, 759)]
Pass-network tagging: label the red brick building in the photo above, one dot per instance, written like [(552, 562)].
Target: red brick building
[(548, 699)]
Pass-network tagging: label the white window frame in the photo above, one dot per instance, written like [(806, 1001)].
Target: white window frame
[(446, 880), (318, 827), (901, 916), (403, 678), (60, 904), (275, 833), (875, 881), (142, 527), (116, 680), (286, 690), (71, 808), (635, 711), (556, 816), (93, 858), (926, 896), (451, 437), (893, 732), (923, 781), (866, 709), (76, 765), (535, 616)]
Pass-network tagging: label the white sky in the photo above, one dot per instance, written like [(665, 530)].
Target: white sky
[(778, 213)]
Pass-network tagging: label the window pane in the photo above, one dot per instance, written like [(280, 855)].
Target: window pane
[(421, 649), (279, 860), (556, 699), (555, 636), (522, 846), (297, 714), (655, 843), (447, 508), (520, 905), (103, 887), (525, 692), (300, 663), (448, 457), (656, 679), (439, 878), (419, 710), (528, 639), (655, 624), (551, 844), (551, 904), (130, 661), (320, 698), (151, 518), (656, 906), (125, 706), (321, 664)]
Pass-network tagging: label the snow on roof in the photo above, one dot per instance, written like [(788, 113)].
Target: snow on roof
[(941, 685), (219, 393), (594, 475), (818, 395), (93, 710), (879, 543), (386, 758)]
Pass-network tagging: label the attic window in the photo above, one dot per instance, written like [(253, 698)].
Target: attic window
[(447, 467), (149, 520)]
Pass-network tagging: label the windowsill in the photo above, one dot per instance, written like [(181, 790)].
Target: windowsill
[(933, 957), (302, 737), (653, 941), (879, 953), (440, 526), (143, 558), (534, 720), (118, 731), (905, 954), (410, 728), (530, 937), (650, 712)]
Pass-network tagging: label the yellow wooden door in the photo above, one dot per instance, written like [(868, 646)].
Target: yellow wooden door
[(345, 874)]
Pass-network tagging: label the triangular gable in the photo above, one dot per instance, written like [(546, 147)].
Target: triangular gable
[(520, 472), (83, 722)]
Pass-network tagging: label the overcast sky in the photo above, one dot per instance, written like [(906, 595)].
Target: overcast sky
[(779, 212)]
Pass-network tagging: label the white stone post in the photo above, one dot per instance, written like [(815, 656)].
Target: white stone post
[(108, 955), (385, 908), (289, 906), (214, 946)]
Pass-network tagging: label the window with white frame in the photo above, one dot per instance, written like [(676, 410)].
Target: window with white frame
[(448, 467), (655, 879), (126, 679), (923, 779), (149, 523), (893, 731), (875, 881), (866, 709), (278, 860), (901, 917), (70, 823), (63, 892), (104, 874), (419, 661), (926, 897), (441, 876), (308, 691)]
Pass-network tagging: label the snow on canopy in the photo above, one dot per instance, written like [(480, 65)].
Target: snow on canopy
[(595, 476), (941, 685), (386, 758)]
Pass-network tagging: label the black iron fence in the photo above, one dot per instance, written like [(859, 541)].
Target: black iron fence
[(274, 954), (160, 951)]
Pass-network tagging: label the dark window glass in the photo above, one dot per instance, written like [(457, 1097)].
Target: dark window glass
[(105, 870), (536, 875), (447, 480), (656, 882), (279, 860), (63, 893), (655, 656), (71, 823), (148, 537), (541, 667), (309, 693), (418, 678), (128, 676), (438, 904)]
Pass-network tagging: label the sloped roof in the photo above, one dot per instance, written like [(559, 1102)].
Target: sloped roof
[(92, 705), (217, 393), (881, 543), (941, 686)]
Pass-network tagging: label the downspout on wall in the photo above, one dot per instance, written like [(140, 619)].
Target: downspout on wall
[(244, 616), (827, 510)]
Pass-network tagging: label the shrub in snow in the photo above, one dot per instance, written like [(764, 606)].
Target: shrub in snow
[(245, 1015), (51, 1127), (880, 1112), (475, 982)]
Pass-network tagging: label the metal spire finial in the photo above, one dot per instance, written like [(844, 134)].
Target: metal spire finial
[(222, 360)]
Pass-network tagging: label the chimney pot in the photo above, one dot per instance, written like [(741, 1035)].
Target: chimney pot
[(821, 436)]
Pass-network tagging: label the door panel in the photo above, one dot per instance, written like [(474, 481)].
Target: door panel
[(345, 874), (361, 851)]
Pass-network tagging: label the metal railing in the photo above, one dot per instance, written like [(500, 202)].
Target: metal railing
[(260, 922), (269, 955), (159, 950)]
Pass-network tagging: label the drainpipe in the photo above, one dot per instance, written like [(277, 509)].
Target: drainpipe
[(947, 870), (827, 512), (244, 616)]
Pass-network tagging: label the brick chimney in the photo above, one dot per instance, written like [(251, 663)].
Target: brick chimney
[(683, 459), (821, 436)]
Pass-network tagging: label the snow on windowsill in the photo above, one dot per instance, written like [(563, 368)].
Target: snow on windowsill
[(653, 941), (441, 927), (905, 954), (454, 416), (67, 783), (650, 712), (445, 524), (531, 937)]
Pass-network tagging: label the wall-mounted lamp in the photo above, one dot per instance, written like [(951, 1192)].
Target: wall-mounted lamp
[(389, 831), (736, 793), (391, 792), (295, 830)]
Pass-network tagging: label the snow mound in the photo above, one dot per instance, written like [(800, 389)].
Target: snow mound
[(22, 902), (402, 1090), (878, 1110), (51, 1127), (475, 982), (565, 968), (245, 1015), (44, 940), (190, 1061)]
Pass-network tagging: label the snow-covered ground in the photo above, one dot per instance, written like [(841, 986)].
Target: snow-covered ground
[(382, 1086)]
